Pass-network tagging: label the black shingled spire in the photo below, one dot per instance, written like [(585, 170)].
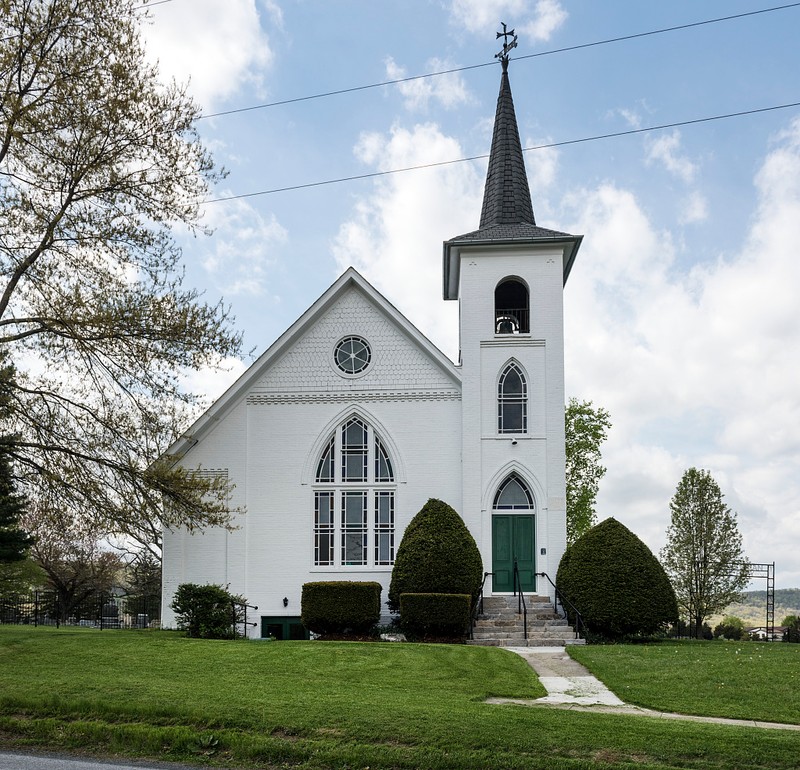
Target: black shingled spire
[(507, 214), (506, 197)]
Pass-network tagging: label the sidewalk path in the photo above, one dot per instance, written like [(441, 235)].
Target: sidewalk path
[(570, 686)]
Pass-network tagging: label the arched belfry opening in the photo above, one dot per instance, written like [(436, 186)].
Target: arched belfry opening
[(511, 307)]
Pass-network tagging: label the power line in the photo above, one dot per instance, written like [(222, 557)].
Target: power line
[(564, 143), (578, 47)]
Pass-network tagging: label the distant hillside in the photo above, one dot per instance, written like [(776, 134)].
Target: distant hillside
[(753, 607)]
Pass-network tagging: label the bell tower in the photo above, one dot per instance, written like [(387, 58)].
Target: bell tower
[(508, 277)]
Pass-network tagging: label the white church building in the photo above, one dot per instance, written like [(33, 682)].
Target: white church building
[(339, 433)]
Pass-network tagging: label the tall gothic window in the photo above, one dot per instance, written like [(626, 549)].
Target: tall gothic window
[(512, 401), (354, 499)]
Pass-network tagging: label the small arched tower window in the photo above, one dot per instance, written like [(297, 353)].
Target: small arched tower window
[(511, 309), (512, 401)]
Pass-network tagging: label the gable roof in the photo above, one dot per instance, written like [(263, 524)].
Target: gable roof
[(351, 278), (507, 213)]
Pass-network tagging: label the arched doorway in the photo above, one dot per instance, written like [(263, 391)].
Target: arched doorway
[(513, 536)]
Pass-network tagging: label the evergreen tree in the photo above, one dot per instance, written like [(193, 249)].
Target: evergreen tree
[(14, 542), (703, 555), (586, 428), (436, 555), (616, 583)]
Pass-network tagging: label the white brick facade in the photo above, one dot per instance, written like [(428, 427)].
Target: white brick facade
[(446, 432), (437, 421)]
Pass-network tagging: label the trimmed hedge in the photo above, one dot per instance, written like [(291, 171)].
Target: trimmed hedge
[(340, 606), (207, 611), (436, 555), (616, 583), (435, 614)]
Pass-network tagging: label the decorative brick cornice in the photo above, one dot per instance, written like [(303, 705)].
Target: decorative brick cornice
[(326, 397), (512, 341)]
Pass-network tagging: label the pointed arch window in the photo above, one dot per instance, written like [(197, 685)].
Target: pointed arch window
[(512, 401), (354, 499), (513, 495), (511, 307)]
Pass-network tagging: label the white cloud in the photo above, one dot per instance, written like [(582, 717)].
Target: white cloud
[(241, 251), (217, 46), (542, 166), (448, 90), (705, 361), (631, 117), (394, 237), (537, 19), (211, 382), (549, 16), (665, 149), (694, 209)]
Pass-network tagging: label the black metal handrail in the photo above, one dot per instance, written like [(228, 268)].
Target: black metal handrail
[(243, 622), (477, 605), (580, 626), (521, 606)]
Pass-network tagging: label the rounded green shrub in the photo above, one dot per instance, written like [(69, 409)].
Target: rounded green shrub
[(731, 628), (207, 611), (340, 606), (616, 583), (436, 555), (440, 615)]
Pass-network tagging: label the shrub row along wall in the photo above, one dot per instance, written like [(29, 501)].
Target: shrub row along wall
[(435, 614), (340, 606)]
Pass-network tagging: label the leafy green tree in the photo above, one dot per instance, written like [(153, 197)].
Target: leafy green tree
[(703, 555), (616, 583), (20, 577), (436, 555), (99, 164), (731, 627), (586, 428), (792, 633)]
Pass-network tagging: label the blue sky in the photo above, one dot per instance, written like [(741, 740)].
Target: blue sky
[(680, 312)]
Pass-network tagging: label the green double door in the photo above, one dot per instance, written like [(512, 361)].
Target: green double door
[(513, 537)]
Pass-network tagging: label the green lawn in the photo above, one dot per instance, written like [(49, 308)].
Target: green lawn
[(323, 705), (742, 680)]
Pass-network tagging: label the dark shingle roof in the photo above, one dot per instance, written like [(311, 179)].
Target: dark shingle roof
[(507, 213), (506, 197), (510, 232)]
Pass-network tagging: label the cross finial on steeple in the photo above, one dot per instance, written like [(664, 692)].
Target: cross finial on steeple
[(507, 47)]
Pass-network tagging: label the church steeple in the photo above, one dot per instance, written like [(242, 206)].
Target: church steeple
[(506, 196), (507, 214)]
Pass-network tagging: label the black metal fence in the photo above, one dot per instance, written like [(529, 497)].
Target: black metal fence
[(43, 608)]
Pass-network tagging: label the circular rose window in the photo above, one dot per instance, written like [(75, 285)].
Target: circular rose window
[(352, 355)]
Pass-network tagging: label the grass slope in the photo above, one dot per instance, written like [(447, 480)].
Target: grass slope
[(326, 705), (740, 680)]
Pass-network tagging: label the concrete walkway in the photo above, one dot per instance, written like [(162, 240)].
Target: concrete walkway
[(570, 686)]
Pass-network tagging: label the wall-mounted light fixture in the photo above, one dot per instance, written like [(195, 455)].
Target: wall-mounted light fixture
[(285, 602), (513, 442)]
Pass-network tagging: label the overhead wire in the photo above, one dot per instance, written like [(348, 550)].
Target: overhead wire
[(563, 143), (565, 49)]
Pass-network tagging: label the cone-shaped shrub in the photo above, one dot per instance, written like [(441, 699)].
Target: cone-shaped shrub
[(616, 583), (436, 555)]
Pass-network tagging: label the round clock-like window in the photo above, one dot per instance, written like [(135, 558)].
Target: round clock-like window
[(352, 355)]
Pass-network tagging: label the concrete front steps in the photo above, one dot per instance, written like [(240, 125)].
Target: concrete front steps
[(500, 625)]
